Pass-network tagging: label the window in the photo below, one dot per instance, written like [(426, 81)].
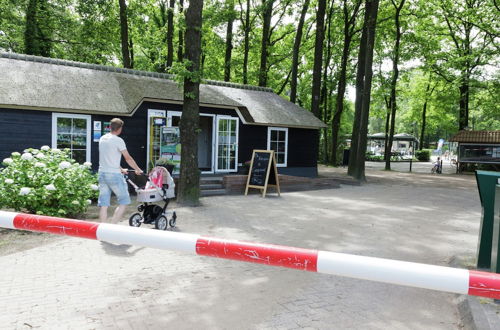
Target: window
[(277, 140), (72, 132), (479, 153)]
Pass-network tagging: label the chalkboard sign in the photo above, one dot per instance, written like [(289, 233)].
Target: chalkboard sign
[(263, 171)]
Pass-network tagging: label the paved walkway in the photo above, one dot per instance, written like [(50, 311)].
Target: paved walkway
[(83, 284)]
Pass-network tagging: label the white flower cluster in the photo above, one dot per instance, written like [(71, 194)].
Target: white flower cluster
[(9, 181), (24, 191), (45, 148), (15, 154), (8, 161), (40, 156), (64, 165), (50, 187), (94, 187), (39, 164), (87, 164), (27, 156)]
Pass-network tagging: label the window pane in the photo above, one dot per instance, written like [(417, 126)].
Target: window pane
[(280, 158), (63, 141), (79, 141), (176, 121), (281, 147), (63, 125), (79, 156), (281, 135), (233, 126), (274, 135), (79, 125)]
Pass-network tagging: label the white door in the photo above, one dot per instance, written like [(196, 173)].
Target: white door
[(227, 144)]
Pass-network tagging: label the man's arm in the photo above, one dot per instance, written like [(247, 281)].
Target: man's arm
[(131, 161)]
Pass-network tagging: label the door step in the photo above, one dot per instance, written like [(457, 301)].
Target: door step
[(211, 186)]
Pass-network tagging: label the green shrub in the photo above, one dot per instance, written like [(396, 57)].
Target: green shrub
[(47, 182), (423, 155)]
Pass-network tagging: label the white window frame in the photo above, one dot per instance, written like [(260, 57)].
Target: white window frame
[(216, 165), (55, 116), (284, 129)]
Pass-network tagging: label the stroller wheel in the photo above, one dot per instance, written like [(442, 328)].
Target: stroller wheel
[(135, 220), (161, 223), (173, 220)]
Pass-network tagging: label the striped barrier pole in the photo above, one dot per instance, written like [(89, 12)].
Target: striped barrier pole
[(418, 275)]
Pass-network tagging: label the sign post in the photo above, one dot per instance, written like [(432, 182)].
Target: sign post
[(263, 172)]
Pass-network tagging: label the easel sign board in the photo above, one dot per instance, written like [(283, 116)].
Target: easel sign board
[(263, 172)]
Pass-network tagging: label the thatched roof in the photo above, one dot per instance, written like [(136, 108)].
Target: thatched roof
[(489, 137), (31, 82)]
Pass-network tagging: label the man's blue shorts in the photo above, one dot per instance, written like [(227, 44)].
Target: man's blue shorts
[(112, 182)]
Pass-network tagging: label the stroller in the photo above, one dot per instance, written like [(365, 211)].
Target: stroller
[(159, 187)]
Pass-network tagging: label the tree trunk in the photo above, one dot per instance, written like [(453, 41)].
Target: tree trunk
[(394, 82), (170, 34), (318, 57), (180, 54), (37, 33), (265, 42), (464, 104), (246, 44), (131, 48), (296, 51), (124, 34), (363, 92), (189, 183), (349, 24), (424, 113), (229, 41), (30, 40)]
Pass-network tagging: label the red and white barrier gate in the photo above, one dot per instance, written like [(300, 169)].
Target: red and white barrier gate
[(368, 268)]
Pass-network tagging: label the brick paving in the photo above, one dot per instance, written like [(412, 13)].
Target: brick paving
[(83, 284)]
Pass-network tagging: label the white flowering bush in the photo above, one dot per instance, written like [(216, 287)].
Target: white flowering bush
[(46, 181)]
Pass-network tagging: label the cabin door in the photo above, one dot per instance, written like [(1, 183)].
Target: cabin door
[(227, 144)]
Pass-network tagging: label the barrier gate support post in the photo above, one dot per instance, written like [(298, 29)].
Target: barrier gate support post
[(412, 274)]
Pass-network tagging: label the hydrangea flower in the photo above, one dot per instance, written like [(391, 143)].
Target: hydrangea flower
[(88, 164), (15, 154), (89, 201), (64, 164), (39, 164), (8, 161), (75, 203), (40, 156), (55, 150), (45, 148), (50, 187), (94, 187), (27, 156), (24, 191), (9, 181)]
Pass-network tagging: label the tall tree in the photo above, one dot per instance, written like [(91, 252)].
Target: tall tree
[(37, 36), (246, 24), (363, 92), (395, 75), (349, 18), (189, 183), (267, 14), (170, 33), (181, 33), (124, 34), (428, 94), (318, 57), (296, 52), (229, 39)]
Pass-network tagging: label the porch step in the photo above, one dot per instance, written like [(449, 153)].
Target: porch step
[(212, 192), (212, 186)]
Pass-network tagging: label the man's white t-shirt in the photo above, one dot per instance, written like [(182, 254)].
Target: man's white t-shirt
[(110, 153)]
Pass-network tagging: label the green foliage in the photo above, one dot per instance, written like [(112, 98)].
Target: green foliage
[(47, 182), (423, 155)]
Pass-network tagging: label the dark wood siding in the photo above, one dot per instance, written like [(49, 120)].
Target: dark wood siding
[(21, 129)]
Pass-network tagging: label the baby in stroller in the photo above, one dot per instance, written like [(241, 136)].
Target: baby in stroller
[(159, 186)]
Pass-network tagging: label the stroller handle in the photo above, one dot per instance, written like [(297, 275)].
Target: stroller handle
[(133, 171)]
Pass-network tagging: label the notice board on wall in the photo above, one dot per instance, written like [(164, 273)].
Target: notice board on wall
[(263, 172)]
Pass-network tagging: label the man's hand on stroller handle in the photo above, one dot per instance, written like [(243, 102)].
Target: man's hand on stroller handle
[(137, 171)]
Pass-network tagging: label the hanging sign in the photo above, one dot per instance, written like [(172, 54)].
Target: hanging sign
[(263, 172), (97, 131), (170, 146)]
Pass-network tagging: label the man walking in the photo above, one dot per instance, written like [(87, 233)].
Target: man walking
[(111, 149)]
